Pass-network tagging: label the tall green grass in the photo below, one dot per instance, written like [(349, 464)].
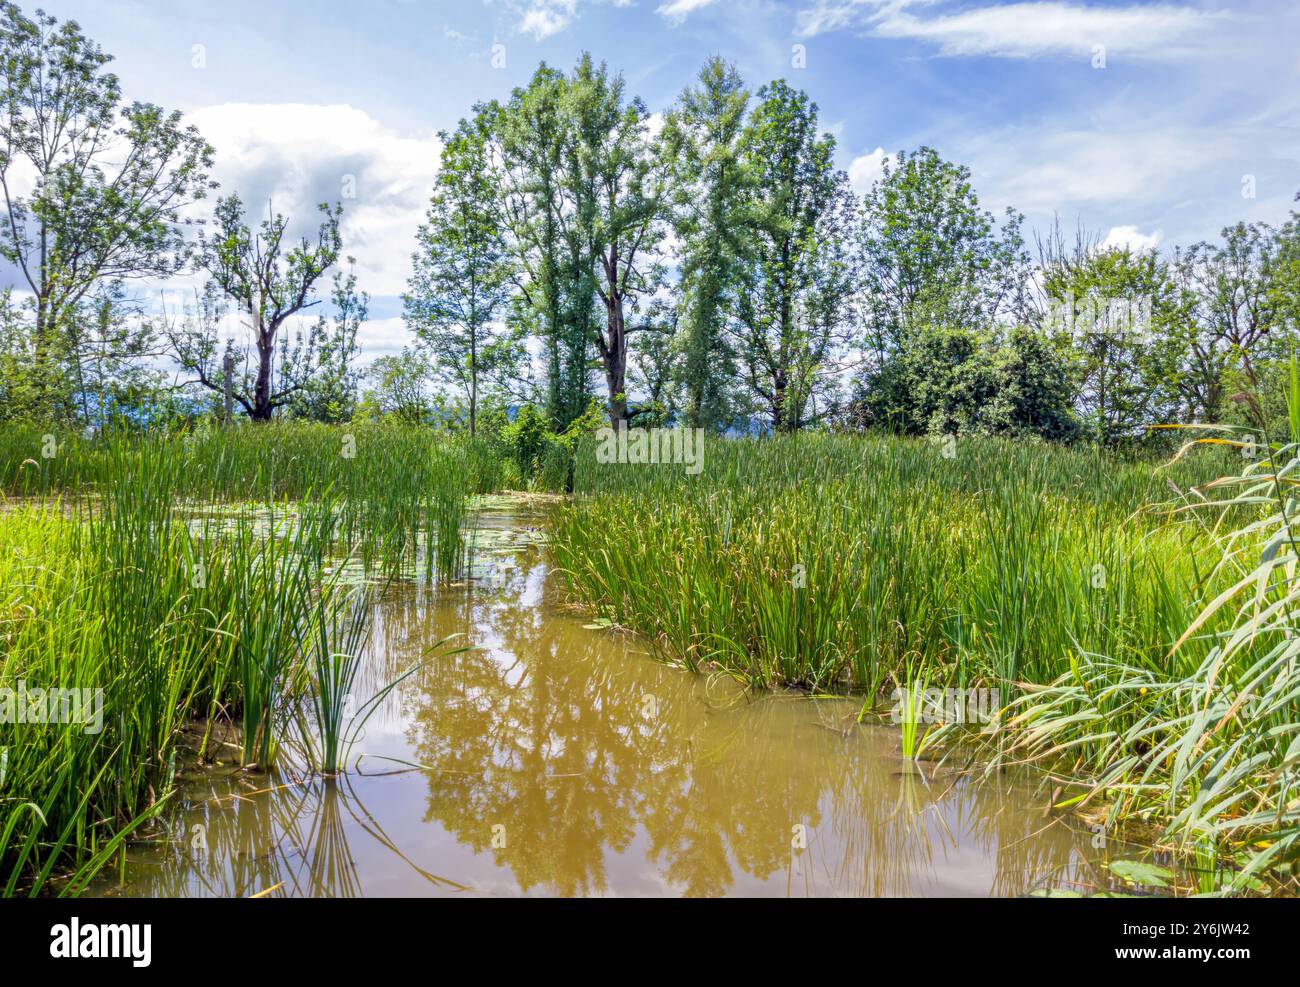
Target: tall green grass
[(399, 492), (1210, 746), (1138, 618), (194, 576), (830, 560)]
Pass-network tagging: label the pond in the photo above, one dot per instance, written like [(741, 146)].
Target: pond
[(556, 758)]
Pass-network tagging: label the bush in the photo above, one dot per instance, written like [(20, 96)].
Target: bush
[(960, 382)]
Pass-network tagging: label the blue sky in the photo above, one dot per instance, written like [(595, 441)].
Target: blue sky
[(1151, 148)]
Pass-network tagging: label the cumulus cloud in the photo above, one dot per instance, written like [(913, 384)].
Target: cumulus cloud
[(295, 156), (1128, 237), (543, 18), (866, 169)]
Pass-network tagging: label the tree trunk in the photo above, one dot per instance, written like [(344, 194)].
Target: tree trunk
[(473, 367), (779, 423), (262, 389), (473, 401), (615, 360)]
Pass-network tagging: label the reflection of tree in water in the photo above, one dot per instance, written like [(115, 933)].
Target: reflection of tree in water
[(540, 729), (544, 729), (530, 741)]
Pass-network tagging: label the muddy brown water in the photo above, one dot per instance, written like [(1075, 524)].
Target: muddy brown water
[(552, 758)]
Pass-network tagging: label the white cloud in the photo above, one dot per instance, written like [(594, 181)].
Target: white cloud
[(866, 169), (298, 155), (1182, 181), (383, 337), (542, 18), (835, 15), (654, 124), (676, 11), (1040, 171), (1121, 237), (1025, 29)]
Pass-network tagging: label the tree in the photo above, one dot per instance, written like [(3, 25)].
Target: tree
[(462, 272), (400, 389), (330, 394), (791, 300), (701, 147), (1285, 280), (656, 362), (1235, 307), (582, 197), (109, 181), (269, 279), (21, 398), (553, 271), (958, 381), (114, 347), (613, 179), (1123, 315), (931, 257)]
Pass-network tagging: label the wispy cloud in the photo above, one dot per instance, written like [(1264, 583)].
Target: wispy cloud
[(676, 11), (1029, 29), (1026, 30), (825, 16)]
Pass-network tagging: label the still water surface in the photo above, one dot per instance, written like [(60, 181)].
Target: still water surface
[(555, 759)]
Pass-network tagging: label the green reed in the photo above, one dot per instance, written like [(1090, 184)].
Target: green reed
[(1137, 617), (334, 642), (824, 560), (191, 575)]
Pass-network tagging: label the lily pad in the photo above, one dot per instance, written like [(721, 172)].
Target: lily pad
[(1142, 872)]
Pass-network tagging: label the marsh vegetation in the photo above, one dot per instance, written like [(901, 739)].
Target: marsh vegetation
[(923, 465)]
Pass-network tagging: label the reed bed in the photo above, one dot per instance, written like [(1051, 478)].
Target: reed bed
[(1211, 748), (830, 561), (1138, 622), (395, 489), (194, 576)]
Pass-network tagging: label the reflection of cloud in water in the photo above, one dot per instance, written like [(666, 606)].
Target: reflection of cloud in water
[(606, 773)]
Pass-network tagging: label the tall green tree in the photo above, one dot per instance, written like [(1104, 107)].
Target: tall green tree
[(1236, 307), (331, 391), (615, 185), (799, 215), (116, 359), (108, 180), (462, 271), (701, 146), (655, 359), (553, 270), (932, 257)]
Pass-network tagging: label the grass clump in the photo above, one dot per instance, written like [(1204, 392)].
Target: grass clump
[(189, 576)]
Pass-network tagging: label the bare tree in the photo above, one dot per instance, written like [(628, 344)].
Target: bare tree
[(269, 280)]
